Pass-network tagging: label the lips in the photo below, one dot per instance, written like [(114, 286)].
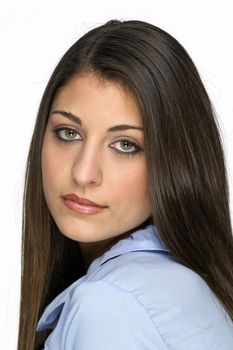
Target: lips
[(82, 205), (82, 201)]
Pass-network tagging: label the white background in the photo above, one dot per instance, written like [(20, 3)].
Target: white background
[(33, 37)]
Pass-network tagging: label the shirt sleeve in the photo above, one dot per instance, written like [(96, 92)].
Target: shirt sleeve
[(103, 316)]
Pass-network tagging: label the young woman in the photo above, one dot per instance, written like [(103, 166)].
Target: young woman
[(127, 239)]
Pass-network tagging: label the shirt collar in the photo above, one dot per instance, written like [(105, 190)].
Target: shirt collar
[(143, 239)]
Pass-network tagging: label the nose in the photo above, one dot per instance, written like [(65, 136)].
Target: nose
[(86, 169)]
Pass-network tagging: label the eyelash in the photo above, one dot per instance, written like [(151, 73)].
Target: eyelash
[(138, 149)]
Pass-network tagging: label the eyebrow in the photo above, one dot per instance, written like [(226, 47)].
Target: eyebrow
[(77, 120)]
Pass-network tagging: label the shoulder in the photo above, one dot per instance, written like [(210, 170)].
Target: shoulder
[(142, 301), (175, 298), (100, 315), (156, 275)]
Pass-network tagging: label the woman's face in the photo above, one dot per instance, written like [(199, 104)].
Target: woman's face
[(93, 152)]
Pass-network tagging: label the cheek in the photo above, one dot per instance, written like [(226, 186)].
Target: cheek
[(51, 167), (47, 174), (131, 183)]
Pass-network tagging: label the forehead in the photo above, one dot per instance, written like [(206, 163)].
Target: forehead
[(88, 94)]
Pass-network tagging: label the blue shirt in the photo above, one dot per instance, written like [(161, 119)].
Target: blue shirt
[(135, 296)]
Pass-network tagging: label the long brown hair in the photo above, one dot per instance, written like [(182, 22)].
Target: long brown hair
[(186, 166)]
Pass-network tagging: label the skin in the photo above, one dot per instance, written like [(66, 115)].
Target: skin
[(89, 165)]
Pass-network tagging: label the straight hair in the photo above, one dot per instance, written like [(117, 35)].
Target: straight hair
[(187, 177)]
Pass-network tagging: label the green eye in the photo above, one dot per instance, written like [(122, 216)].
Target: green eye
[(68, 134), (126, 147)]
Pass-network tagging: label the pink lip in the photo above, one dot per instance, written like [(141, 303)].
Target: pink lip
[(82, 205)]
